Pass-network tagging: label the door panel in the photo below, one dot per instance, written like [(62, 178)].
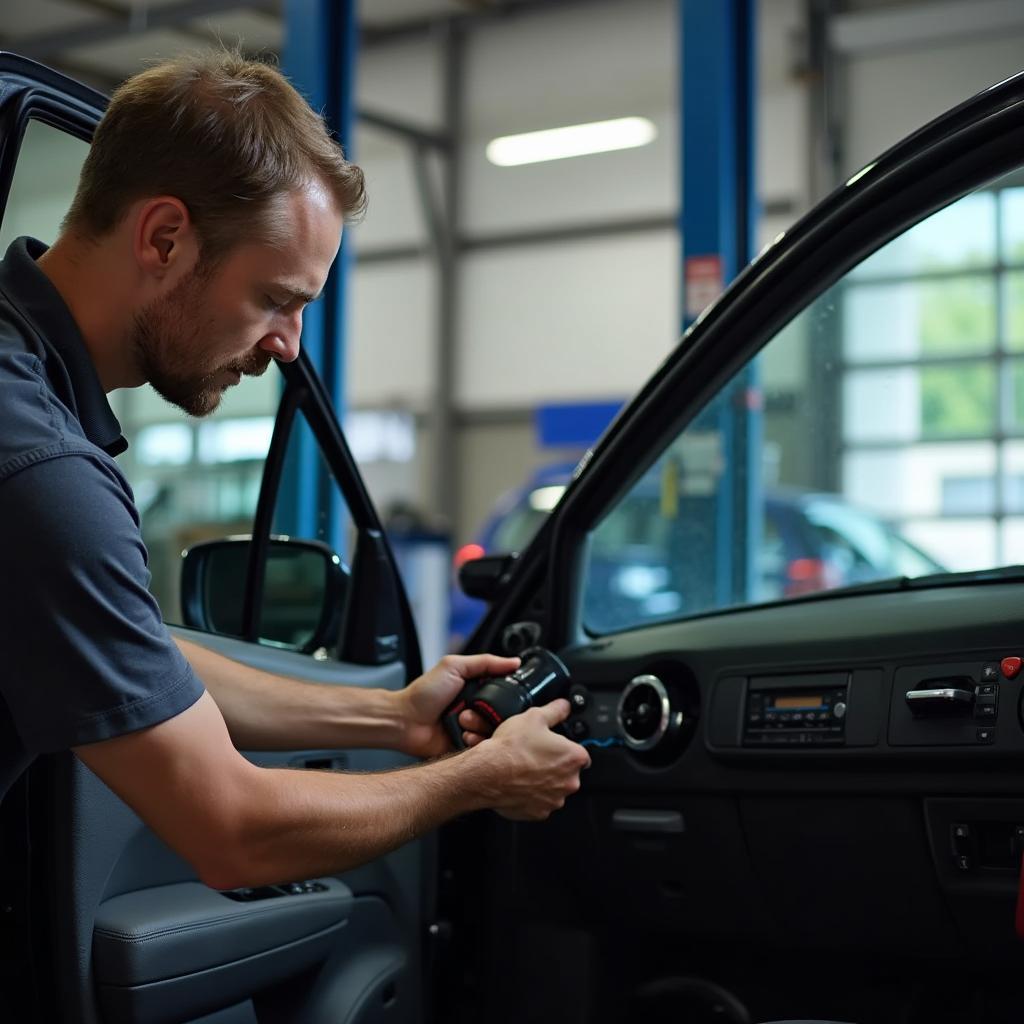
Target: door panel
[(108, 870), (780, 802)]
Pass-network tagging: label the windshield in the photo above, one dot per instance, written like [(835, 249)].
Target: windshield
[(879, 434)]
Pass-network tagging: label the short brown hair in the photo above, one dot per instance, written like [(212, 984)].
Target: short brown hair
[(225, 135)]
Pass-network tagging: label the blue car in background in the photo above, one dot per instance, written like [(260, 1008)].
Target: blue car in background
[(810, 542)]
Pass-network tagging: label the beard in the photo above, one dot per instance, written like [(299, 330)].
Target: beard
[(171, 337)]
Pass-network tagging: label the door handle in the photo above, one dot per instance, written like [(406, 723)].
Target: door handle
[(647, 820), (942, 700)]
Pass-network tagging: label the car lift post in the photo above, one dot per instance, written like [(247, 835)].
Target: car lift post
[(717, 223), (321, 38)]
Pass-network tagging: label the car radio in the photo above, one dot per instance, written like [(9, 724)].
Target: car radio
[(809, 711)]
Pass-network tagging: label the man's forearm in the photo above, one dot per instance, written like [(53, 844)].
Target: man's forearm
[(239, 824), (264, 711), (309, 824)]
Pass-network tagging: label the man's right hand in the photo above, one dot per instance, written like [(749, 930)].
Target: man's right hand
[(529, 770)]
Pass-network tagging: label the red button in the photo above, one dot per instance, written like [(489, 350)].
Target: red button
[(1010, 667)]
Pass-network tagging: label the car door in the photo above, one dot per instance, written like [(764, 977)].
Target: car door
[(817, 801), (103, 922)]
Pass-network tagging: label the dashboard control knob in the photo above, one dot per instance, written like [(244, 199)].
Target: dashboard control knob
[(578, 729), (839, 710), (644, 713), (520, 636)]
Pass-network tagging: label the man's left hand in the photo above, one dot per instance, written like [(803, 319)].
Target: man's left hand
[(424, 699)]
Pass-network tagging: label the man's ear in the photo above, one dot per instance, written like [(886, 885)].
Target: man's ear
[(164, 242)]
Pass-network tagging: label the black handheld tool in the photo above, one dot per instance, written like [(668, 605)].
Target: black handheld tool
[(540, 679)]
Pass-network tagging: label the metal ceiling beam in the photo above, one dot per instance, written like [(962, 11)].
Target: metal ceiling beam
[(413, 133), (41, 45)]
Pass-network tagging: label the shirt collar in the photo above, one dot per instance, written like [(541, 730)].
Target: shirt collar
[(35, 296)]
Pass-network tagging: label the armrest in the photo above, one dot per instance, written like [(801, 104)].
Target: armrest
[(175, 930)]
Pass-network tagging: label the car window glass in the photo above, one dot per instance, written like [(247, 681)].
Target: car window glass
[(309, 504), (194, 480), (866, 539), (771, 561), (519, 527), (896, 398), (911, 561), (44, 182)]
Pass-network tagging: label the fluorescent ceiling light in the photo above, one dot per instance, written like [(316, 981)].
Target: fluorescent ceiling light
[(572, 140)]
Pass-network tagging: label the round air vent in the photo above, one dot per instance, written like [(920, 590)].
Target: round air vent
[(645, 713)]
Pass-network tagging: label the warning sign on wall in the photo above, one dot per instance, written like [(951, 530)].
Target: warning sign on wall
[(703, 283)]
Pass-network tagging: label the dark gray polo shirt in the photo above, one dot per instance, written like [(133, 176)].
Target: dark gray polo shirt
[(84, 653)]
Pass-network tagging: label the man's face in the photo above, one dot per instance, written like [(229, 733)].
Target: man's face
[(215, 326)]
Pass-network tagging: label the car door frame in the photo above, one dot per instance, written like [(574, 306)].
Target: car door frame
[(304, 392), (29, 90)]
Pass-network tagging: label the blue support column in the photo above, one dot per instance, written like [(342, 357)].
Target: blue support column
[(321, 41), (717, 221)]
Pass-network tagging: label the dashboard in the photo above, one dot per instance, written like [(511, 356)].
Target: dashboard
[(841, 774)]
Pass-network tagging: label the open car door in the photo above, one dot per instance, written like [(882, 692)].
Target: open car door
[(808, 777), (103, 922)]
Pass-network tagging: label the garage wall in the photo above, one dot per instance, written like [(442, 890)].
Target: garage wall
[(583, 65), (391, 335), (889, 94), (543, 320), (566, 322), (566, 67)]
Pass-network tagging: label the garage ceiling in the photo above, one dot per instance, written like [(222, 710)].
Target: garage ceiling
[(104, 41)]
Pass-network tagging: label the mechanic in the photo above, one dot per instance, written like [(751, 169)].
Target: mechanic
[(208, 214)]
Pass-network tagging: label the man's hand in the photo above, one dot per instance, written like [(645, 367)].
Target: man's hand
[(423, 701), (531, 769)]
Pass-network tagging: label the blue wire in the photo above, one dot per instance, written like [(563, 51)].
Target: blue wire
[(608, 741)]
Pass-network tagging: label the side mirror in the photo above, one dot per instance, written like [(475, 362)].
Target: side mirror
[(485, 578), (304, 591)]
